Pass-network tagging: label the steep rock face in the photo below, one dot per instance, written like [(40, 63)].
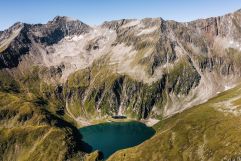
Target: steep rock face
[(66, 72), (115, 95), (225, 26), (57, 29), (14, 43), (22, 39), (140, 68)]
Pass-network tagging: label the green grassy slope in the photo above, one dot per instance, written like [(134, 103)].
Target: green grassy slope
[(28, 131), (210, 131)]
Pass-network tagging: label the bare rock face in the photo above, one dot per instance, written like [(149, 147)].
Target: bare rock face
[(21, 39), (14, 42), (224, 26), (60, 27), (139, 68), (66, 71)]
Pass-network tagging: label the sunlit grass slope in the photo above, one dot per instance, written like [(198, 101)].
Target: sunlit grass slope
[(210, 131)]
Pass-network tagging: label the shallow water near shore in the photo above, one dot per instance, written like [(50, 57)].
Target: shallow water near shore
[(113, 136)]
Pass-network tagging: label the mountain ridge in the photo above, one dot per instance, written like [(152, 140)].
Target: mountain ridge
[(148, 69), (169, 43), (74, 19)]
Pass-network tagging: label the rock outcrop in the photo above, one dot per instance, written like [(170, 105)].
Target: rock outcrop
[(149, 68), (176, 62)]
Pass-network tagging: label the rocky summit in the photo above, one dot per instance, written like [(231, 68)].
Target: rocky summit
[(182, 77)]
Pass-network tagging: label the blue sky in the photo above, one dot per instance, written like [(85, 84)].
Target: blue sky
[(94, 12)]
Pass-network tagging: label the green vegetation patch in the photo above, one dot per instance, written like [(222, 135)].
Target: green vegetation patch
[(199, 133)]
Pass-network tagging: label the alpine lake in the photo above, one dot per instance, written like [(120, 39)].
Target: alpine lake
[(113, 136)]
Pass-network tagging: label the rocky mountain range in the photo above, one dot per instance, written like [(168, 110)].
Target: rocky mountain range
[(65, 74)]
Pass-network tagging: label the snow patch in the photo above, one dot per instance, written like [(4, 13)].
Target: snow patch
[(73, 51)]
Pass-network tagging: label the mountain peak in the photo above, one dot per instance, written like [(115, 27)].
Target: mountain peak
[(238, 10), (11, 32), (15, 26), (69, 25), (63, 18)]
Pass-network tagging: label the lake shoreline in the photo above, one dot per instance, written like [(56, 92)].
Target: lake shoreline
[(150, 122), (110, 137)]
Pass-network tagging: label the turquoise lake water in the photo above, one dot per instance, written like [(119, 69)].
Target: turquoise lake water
[(113, 136)]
